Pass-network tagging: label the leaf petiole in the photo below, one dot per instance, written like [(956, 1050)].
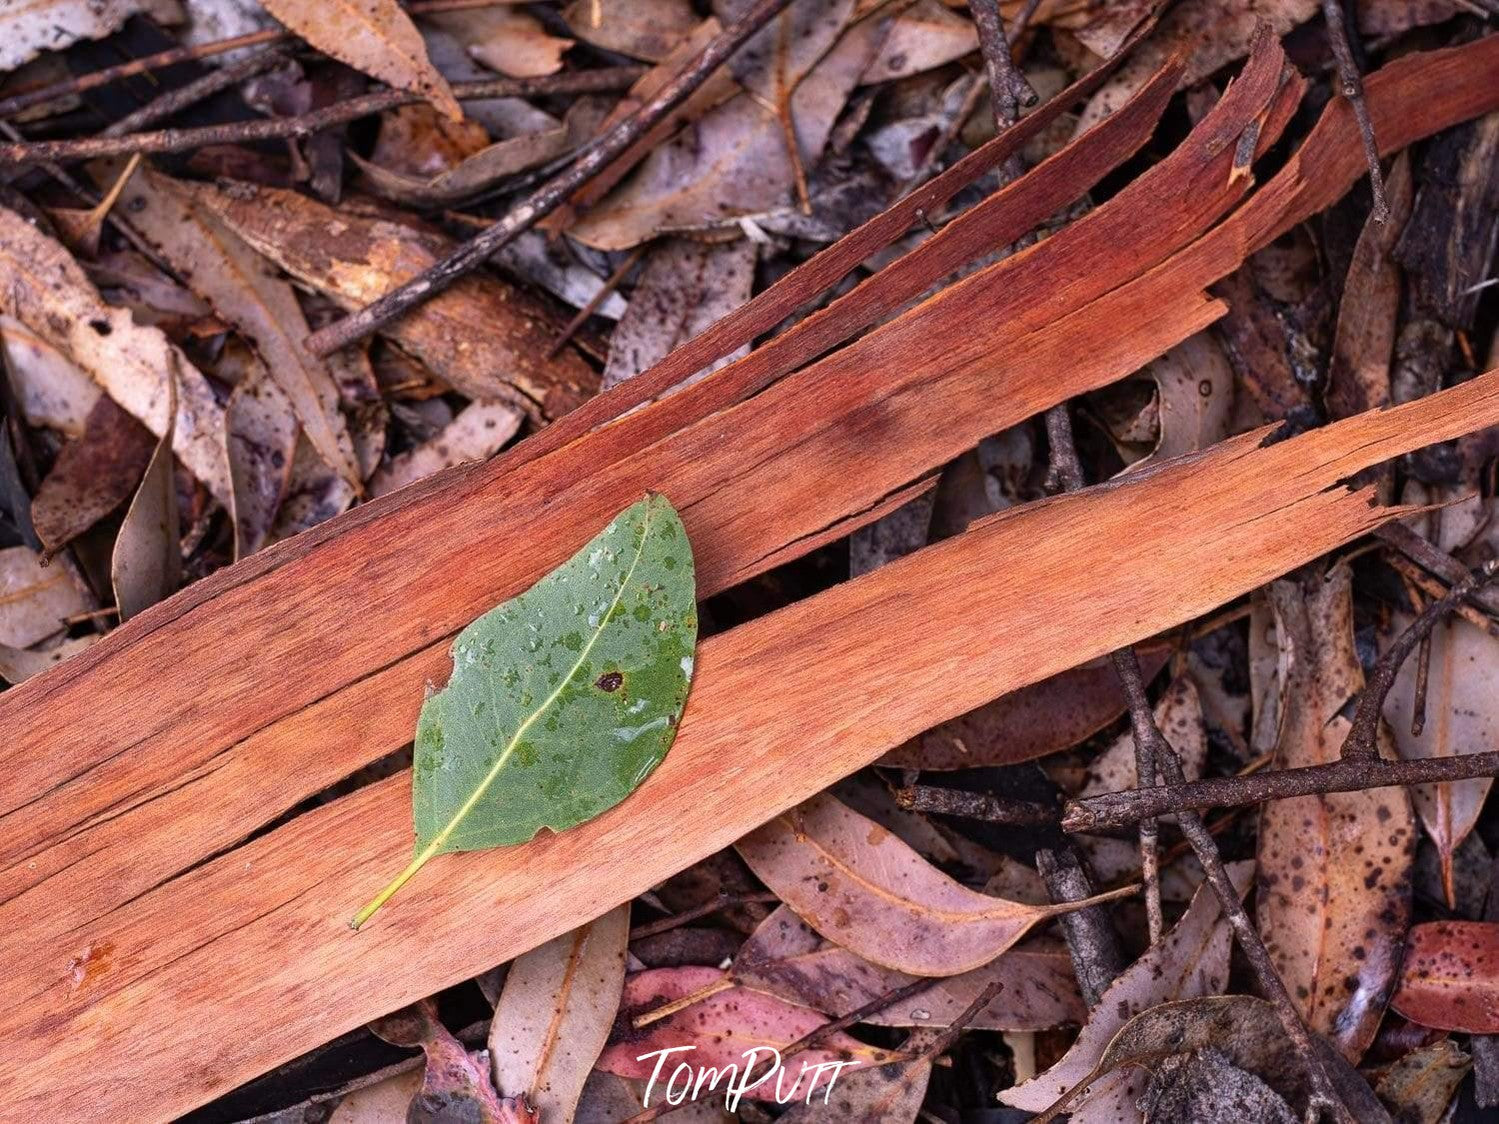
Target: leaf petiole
[(400, 880)]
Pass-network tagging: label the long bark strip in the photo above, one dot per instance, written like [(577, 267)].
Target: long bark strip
[(227, 970), (873, 430)]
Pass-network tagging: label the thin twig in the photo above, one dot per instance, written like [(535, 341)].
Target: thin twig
[(1146, 734), (859, 1014), (82, 83), (1418, 583), (974, 805), (550, 195), (598, 298), (275, 128), (175, 101), (715, 905), (1430, 557), (1352, 86), (1119, 809), (1361, 743)]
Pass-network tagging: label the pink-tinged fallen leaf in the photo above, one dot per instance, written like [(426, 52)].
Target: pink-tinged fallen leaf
[(1462, 716), (1032, 722), (554, 1014), (1179, 715), (504, 38), (727, 1028), (923, 36), (873, 1094), (1191, 960), (786, 957), (1450, 978), (863, 888), (1335, 869), (373, 36), (642, 29), (456, 1085)]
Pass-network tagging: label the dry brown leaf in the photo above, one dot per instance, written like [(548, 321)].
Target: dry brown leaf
[(1196, 397), (1190, 960), (1462, 716), (146, 565), (1449, 979), (1179, 716), (475, 174), (554, 1015), (684, 287), (94, 474), (873, 1094), (262, 435), (35, 600), (50, 294), (610, 1099), (863, 888), (1050, 716), (384, 1102), (785, 957), (1418, 1087), (479, 431), (1358, 371), (485, 338), (314, 494), (245, 292), (19, 664), (416, 140), (1335, 869), (504, 38), (50, 389), (642, 29), (373, 36), (923, 36), (733, 161)]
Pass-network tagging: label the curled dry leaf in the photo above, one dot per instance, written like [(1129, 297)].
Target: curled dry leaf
[(456, 1084), (244, 291), (684, 287), (1189, 961), (485, 338), (1245, 1030), (94, 474), (146, 565), (1418, 1087), (785, 957), (860, 886), (554, 1015), (1462, 716), (51, 295), (643, 29), (35, 600), (1032, 722), (1335, 869), (373, 36), (1450, 978), (478, 432), (720, 1028), (475, 174), (262, 433)]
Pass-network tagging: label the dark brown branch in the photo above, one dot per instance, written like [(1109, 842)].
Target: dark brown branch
[(1351, 84), (550, 195), (1119, 809), (1091, 940), (974, 806), (1007, 87), (859, 1014), (1361, 743), (1064, 472), (1146, 734), (1432, 558), (275, 128)]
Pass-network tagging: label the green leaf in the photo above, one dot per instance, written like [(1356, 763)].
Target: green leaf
[(562, 700)]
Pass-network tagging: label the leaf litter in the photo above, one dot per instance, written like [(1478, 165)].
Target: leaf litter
[(166, 417)]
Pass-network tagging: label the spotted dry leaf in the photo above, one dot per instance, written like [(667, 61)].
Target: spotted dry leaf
[(1335, 869)]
